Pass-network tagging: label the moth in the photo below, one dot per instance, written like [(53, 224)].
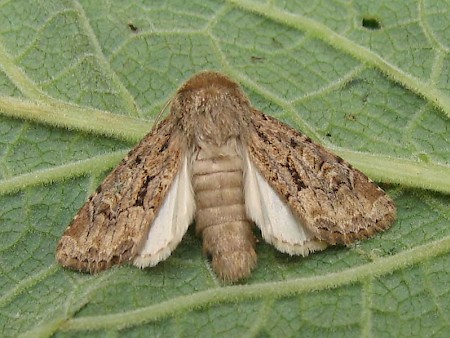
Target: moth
[(217, 160)]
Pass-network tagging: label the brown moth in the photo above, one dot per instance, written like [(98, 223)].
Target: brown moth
[(218, 160)]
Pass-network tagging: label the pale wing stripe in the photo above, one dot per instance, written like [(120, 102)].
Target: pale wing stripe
[(171, 223), (278, 225)]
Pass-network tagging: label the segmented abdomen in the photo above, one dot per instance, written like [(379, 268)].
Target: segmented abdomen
[(220, 216)]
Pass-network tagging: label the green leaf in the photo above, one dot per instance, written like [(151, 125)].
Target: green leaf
[(82, 82)]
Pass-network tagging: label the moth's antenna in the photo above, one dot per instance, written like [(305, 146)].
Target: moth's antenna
[(160, 114)]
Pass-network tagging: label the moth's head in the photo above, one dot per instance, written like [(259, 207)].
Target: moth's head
[(211, 107)]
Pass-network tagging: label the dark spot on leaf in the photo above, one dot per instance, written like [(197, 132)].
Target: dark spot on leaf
[(132, 27), (138, 159), (364, 98), (255, 59), (371, 23), (276, 43), (350, 117), (391, 251)]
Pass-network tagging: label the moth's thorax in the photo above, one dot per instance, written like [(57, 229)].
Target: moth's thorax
[(212, 109)]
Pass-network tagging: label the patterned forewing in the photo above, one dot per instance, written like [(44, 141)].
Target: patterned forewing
[(333, 200), (113, 224)]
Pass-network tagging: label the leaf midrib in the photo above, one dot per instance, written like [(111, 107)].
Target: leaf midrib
[(359, 274), (381, 168)]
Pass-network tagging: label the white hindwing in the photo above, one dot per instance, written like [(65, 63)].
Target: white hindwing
[(278, 224), (172, 221)]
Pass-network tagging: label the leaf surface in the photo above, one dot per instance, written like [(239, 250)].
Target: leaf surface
[(82, 82)]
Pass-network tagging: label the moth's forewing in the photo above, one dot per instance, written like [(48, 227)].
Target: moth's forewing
[(113, 224), (333, 200)]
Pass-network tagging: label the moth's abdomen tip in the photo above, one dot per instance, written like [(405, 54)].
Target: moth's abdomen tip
[(234, 266)]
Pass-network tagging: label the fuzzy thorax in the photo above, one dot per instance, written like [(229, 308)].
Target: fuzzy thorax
[(211, 109)]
